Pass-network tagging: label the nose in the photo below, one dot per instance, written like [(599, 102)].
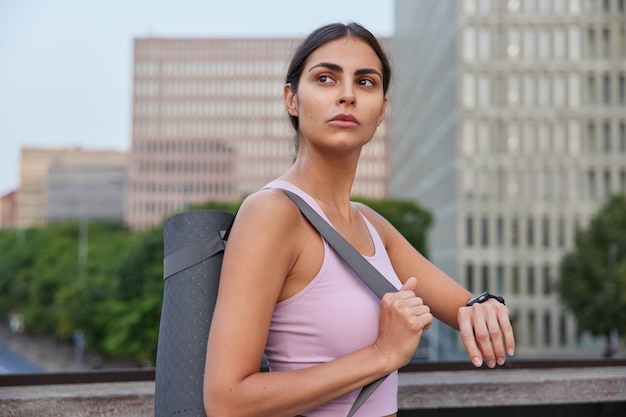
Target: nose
[(346, 95)]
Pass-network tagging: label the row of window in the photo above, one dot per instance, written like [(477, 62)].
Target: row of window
[(245, 88), (529, 281), (543, 137), (178, 147), (210, 107), (184, 189), (541, 7), (212, 128), (543, 89), (542, 185), (209, 68), (184, 167), (551, 331), (543, 43)]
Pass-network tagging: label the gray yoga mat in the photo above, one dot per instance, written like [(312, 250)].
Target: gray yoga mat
[(193, 251)]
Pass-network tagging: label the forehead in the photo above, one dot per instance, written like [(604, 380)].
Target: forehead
[(349, 52)]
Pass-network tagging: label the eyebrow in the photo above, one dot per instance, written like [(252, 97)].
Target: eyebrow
[(337, 68)]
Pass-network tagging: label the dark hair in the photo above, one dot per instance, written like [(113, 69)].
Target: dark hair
[(326, 34)]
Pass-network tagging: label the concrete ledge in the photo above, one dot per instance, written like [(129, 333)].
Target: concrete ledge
[(73, 400), (502, 387), (417, 390)]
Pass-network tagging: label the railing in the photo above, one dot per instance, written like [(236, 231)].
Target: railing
[(548, 388)]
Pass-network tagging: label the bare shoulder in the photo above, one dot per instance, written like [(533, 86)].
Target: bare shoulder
[(266, 213)]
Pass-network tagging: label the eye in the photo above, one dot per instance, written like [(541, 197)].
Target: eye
[(325, 79), (367, 82)]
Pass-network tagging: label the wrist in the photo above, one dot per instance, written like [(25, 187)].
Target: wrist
[(485, 297)]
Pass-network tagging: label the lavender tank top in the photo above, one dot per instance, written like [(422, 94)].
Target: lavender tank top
[(334, 315)]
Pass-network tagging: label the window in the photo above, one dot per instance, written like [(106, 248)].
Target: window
[(530, 232), (591, 89), (484, 273), (591, 185), (606, 180), (513, 47), (513, 93), (529, 90), (469, 277), (546, 232), (500, 231), (606, 88), (500, 279), (484, 231), (574, 45), (531, 280), (559, 43), (469, 90), (606, 136), (532, 329), (515, 280), (484, 44), (514, 232), (559, 90), (606, 43), (574, 90), (528, 49), (544, 90), (591, 42), (469, 231), (483, 90), (547, 280), (469, 44), (547, 328), (544, 43)]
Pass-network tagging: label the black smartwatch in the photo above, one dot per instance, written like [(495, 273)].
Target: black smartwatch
[(484, 297)]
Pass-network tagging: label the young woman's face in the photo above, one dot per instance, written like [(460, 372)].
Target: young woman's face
[(339, 99)]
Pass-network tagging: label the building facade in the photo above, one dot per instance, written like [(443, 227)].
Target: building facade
[(8, 210), (510, 125), (66, 183), (209, 123)]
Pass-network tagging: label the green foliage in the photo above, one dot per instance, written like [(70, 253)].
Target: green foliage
[(592, 281), (117, 301), (411, 220)]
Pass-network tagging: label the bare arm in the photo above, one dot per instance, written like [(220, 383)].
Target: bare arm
[(486, 330), (263, 253)]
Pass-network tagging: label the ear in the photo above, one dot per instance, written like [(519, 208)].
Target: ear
[(383, 112), (291, 103)]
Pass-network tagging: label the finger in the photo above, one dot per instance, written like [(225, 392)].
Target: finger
[(483, 336), (507, 331), (495, 334), (467, 336), (409, 285)]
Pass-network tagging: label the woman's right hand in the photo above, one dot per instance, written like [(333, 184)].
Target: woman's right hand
[(403, 319)]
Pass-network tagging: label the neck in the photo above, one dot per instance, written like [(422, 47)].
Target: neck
[(326, 178)]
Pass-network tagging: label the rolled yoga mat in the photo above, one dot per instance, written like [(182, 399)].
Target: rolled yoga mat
[(193, 251)]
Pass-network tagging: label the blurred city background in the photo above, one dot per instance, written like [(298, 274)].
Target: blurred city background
[(506, 130)]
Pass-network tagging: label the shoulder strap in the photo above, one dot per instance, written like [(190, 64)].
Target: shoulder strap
[(365, 270)]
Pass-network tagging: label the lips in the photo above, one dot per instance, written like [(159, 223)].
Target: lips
[(344, 120)]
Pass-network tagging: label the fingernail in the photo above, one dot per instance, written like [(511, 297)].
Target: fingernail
[(477, 362), (500, 361), (491, 364), (511, 351)]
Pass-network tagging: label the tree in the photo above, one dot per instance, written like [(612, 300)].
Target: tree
[(592, 281)]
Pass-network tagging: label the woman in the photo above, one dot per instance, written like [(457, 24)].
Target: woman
[(285, 293)]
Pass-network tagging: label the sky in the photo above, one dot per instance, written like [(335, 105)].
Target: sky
[(66, 65)]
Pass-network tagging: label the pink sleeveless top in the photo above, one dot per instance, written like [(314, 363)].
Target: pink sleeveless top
[(334, 315)]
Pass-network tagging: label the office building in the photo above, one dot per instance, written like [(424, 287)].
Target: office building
[(64, 183), (509, 124), (209, 124)]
